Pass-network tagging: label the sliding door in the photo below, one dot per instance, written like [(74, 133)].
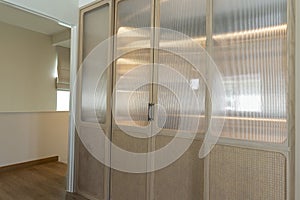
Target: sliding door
[(149, 58), (132, 94), (180, 98), (155, 101), (93, 101)]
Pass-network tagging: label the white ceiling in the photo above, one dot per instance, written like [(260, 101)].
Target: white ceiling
[(28, 20)]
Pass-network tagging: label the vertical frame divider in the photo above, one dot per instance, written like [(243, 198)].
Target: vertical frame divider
[(113, 81), (72, 125), (79, 61), (291, 98), (154, 44), (107, 180), (297, 101), (209, 43), (78, 99)]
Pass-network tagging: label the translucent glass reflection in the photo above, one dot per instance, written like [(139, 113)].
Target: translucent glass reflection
[(250, 42), (134, 14), (134, 49), (96, 30), (187, 18), (168, 99), (132, 105)]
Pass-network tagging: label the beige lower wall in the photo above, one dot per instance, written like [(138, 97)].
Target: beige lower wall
[(31, 136)]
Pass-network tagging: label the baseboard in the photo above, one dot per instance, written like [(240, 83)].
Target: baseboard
[(74, 196), (28, 164)]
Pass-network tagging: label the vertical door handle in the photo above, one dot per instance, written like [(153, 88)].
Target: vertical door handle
[(150, 112)]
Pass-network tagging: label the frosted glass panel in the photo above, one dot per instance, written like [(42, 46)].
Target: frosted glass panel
[(179, 87), (134, 13), (133, 66), (189, 19), (131, 104), (96, 30), (250, 49)]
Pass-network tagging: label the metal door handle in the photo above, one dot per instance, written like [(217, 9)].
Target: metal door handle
[(150, 112)]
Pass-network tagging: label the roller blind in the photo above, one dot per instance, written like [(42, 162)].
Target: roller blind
[(63, 68)]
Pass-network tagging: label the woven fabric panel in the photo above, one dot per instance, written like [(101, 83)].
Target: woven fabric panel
[(244, 174), (183, 179)]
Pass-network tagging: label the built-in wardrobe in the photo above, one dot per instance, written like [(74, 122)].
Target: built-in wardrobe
[(141, 101)]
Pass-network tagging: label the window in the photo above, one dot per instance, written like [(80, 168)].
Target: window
[(62, 100)]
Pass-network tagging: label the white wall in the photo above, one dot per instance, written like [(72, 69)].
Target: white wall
[(27, 70), (30, 136), (62, 10)]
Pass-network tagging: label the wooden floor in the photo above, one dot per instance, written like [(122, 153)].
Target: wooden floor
[(39, 182)]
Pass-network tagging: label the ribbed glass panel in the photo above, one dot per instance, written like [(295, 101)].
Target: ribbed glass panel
[(239, 173), (177, 109), (134, 14), (131, 106), (96, 30), (188, 18), (250, 49), (101, 98), (133, 67)]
